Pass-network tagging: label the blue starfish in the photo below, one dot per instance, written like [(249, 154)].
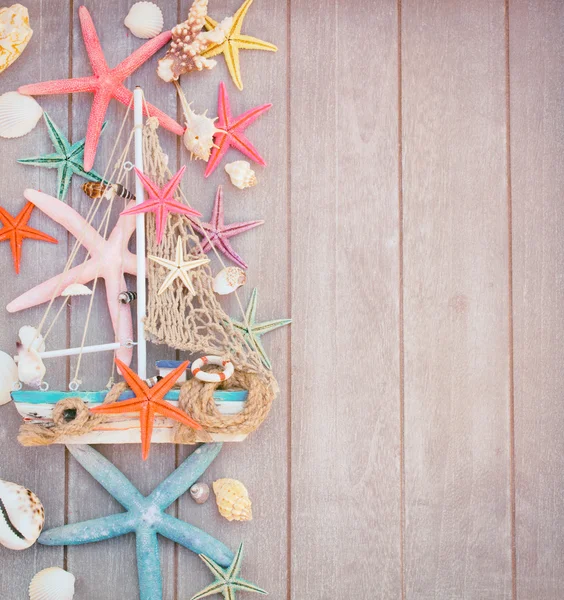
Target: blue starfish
[(144, 516)]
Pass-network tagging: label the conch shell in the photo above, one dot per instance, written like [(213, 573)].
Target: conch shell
[(198, 137), (31, 369), (232, 500), (21, 516), (228, 280), (241, 174), (15, 33), (52, 584)]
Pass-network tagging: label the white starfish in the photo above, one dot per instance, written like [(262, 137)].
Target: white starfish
[(109, 259)]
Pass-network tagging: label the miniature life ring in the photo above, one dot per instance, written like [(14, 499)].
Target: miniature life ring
[(228, 369)]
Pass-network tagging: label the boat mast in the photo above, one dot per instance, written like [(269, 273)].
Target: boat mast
[(140, 236)]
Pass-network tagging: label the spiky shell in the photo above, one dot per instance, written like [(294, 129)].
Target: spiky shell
[(144, 20), (15, 33), (232, 500), (76, 289), (52, 584), (18, 114), (241, 174), (21, 516), (30, 338), (8, 377), (228, 280), (200, 492), (198, 137)]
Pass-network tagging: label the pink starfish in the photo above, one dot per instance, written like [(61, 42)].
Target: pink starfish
[(109, 259), (219, 233), (106, 83), (161, 202), (231, 133)]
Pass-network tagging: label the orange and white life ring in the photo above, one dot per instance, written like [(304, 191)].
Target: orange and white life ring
[(228, 369)]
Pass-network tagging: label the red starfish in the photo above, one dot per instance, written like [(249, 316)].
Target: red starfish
[(16, 230), (106, 83), (161, 202), (231, 131), (148, 402)]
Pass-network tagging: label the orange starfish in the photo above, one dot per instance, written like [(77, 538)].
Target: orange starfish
[(148, 402), (16, 230)]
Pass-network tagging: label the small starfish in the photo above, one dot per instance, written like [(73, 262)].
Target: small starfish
[(68, 159), (16, 230), (178, 268), (253, 331), (109, 259), (219, 233), (161, 202), (106, 84), (230, 131), (235, 41), (227, 581), (145, 516), (148, 402)]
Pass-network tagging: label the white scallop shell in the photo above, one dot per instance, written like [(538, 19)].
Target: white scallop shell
[(21, 516), (8, 377), (228, 280), (18, 114), (241, 174), (144, 20), (76, 289), (52, 584)]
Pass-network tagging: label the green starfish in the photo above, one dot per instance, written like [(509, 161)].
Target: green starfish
[(253, 331), (68, 159), (227, 581)]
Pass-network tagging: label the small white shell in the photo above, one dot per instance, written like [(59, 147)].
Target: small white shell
[(200, 492), (76, 289), (21, 516), (18, 114), (228, 280), (29, 338), (241, 174), (31, 369), (8, 377), (52, 584), (198, 137), (144, 20)]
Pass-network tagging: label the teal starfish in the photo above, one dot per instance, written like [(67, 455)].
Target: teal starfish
[(253, 331), (227, 581), (68, 159)]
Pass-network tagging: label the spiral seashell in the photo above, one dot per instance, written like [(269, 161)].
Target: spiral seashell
[(144, 20), (232, 500), (241, 174), (228, 280), (15, 33), (52, 584), (18, 114), (200, 492), (21, 516)]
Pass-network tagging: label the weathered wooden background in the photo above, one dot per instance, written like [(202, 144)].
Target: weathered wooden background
[(414, 221)]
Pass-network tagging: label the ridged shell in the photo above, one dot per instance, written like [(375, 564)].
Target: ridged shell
[(15, 33), (8, 377), (232, 500), (52, 584), (200, 492), (241, 174), (18, 114), (144, 20), (21, 516), (228, 280), (76, 289)]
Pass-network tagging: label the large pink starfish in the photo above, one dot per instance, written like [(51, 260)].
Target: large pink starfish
[(219, 233), (106, 83), (109, 259), (161, 202), (232, 129)]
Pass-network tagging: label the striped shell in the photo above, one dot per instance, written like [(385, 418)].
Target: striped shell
[(232, 500), (21, 516), (52, 584), (19, 114), (144, 20)]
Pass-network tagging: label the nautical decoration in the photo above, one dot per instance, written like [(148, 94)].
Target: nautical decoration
[(18, 114), (21, 516), (15, 33), (16, 230), (241, 174), (31, 369), (228, 280), (76, 289), (225, 363), (235, 41), (31, 338), (67, 159), (8, 377), (109, 191), (144, 20), (53, 583), (216, 234), (233, 500), (127, 297), (232, 131), (200, 492), (144, 516), (148, 402), (106, 84), (109, 259), (161, 202), (253, 331), (198, 137), (178, 268), (227, 581)]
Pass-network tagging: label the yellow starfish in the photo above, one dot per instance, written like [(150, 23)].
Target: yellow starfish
[(234, 41)]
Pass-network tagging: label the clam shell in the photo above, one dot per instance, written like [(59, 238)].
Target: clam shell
[(200, 492), (21, 516), (52, 584), (232, 500), (15, 33), (29, 338), (8, 377), (228, 280), (144, 20), (241, 174), (18, 114), (76, 289)]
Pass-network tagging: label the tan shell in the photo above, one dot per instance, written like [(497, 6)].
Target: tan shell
[(232, 500), (15, 33)]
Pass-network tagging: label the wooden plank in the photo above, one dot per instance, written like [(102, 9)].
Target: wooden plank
[(457, 488), (345, 479), (537, 122)]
